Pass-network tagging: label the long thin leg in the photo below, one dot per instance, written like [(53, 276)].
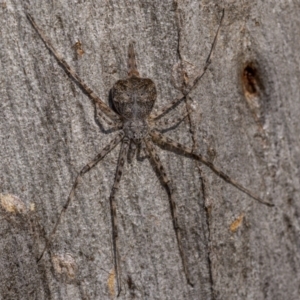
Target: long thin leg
[(131, 151), (169, 106), (161, 124), (71, 72), (208, 60), (85, 169), (131, 62), (113, 210), (112, 126), (141, 152), (167, 183), (160, 139)]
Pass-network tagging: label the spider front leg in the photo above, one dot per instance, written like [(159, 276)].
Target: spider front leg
[(113, 209), (112, 119), (167, 183), (84, 170), (161, 124), (164, 110), (160, 139)]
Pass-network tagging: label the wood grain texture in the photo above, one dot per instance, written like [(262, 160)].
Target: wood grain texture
[(244, 115)]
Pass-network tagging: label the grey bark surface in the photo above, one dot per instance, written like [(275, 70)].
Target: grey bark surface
[(244, 115)]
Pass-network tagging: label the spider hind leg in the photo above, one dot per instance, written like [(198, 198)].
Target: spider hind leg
[(113, 210), (162, 140), (84, 170), (168, 185)]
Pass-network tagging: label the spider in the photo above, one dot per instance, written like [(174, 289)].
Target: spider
[(133, 99)]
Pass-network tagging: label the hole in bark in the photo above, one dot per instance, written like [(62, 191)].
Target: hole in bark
[(254, 91), (251, 80)]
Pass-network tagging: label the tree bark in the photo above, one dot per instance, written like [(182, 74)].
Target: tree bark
[(243, 115)]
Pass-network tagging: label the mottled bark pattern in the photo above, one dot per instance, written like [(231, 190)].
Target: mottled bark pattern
[(78, 221)]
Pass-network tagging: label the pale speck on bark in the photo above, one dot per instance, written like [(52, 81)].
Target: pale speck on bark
[(245, 111)]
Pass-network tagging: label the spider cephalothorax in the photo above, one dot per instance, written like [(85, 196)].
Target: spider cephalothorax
[(135, 130), (133, 99)]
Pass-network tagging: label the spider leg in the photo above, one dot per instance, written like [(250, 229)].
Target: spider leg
[(160, 139), (141, 152), (113, 209), (166, 108), (168, 185), (84, 170), (169, 122), (131, 151), (112, 126), (131, 62), (208, 60), (114, 118)]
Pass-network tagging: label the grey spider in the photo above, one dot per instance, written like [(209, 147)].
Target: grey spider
[(133, 99)]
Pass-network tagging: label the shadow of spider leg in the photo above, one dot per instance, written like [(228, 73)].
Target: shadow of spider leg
[(84, 170), (168, 185), (161, 140)]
